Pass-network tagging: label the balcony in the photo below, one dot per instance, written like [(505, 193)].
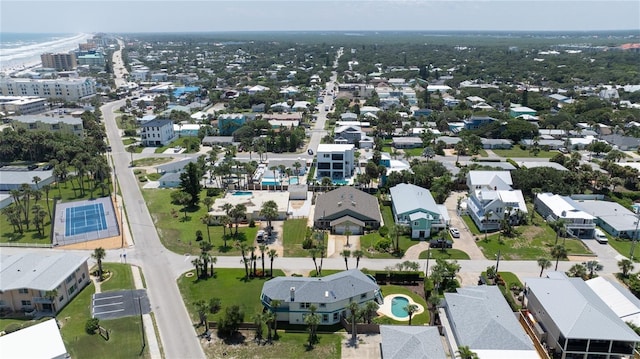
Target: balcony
[(42, 300)]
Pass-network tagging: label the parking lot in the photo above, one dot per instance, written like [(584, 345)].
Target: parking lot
[(118, 304)]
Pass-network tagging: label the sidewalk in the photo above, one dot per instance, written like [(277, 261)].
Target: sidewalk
[(149, 329)]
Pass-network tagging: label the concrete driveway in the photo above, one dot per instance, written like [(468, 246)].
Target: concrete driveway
[(466, 242)]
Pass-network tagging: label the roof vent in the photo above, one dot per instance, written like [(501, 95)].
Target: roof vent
[(339, 203), (353, 203), (292, 292)]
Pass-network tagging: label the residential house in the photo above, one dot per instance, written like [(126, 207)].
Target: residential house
[(622, 143), (577, 222), (157, 132), (170, 180), (550, 144), (229, 122), (348, 116), (406, 142), (492, 199), (44, 282), (50, 123), (364, 110), (186, 129), (521, 110), (47, 338), (280, 107), (618, 297), (330, 295), (253, 201), (496, 143), (423, 112), (612, 217), (474, 100), (12, 177), (335, 161), (574, 321), (352, 135), (481, 319), (413, 206), (176, 166), (475, 122), (217, 140), (347, 208), (411, 342)]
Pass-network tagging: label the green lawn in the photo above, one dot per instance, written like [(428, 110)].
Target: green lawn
[(419, 319), (471, 224), (22, 322), (368, 241), (66, 192), (125, 333), (293, 234), (446, 254), (128, 141), (178, 234), (517, 152), (151, 161), (510, 278), (531, 242), (414, 152), (230, 286), (623, 246), (120, 277)]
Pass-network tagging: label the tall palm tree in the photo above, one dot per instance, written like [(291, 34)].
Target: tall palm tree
[(208, 220), (269, 211), (263, 249), (244, 248), (544, 263), (559, 226), (433, 303), (354, 310), (411, 309), (272, 253), (487, 216), (593, 267), (99, 254), (225, 221), (296, 166), (347, 233), (314, 254), (197, 264), (312, 320), (346, 254), (557, 252), (357, 254), (275, 304)]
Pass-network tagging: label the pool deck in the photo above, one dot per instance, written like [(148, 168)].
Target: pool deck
[(385, 309)]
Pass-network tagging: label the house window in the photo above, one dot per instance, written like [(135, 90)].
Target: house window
[(325, 317), (363, 295), (26, 303), (335, 316), (23, 290), (305, 305), (323, 305)]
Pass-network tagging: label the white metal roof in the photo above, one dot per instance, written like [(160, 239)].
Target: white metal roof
[(561, 208), (37, 271), (40, 341), (619, 299)]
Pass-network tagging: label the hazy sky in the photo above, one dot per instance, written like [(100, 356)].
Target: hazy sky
[(245, 15)]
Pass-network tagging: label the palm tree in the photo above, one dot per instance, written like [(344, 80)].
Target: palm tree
[(559, 226), (272, 255), (225, 221), (578, 270), (487, 216), (259, 320), (626, 266), (244, 248), (593, 267), (197, 264), (263, 249), (208, 220), (433, 303), (297, 166), (464, 352), (394, 234), (99, 254), (36, 180), (239, 211), (411, 309), (544, 263), (212, 260), (275, 304), (347, 233), (201, 307), (346, 254), (357, 254), (269, 211), (557, 252), (312, 320), (314, 253), (208, 202), (322, 249), (52, 295), (354, 308)]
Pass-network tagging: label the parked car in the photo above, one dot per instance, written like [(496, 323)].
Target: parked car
[(600, 237), (310, 151), (563, 150), (261, 236), (440, 243), (455, 233)]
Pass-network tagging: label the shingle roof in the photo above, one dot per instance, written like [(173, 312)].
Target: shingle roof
[(408, 197), (483, 320), (408, 342), (347, 200), (484, 178), (37, 271), (332, 288), (576, 309)]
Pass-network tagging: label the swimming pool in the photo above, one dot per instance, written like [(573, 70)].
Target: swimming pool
[(242, 193), (340, 182), (293, 180), (397, 307)]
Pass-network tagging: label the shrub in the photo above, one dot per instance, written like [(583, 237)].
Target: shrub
[(13, 327), (307, 243), (214, 305), (230, 323), (92, 325), (213, 192), (252, 223), (383, 245), (130, 132), (383, 231)]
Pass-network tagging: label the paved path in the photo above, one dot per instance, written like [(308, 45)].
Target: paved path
[(466, 242), (414, 251), (149, 328)]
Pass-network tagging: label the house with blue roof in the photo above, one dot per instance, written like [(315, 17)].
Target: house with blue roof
[(415, 207), (475, 122), (331, 295)]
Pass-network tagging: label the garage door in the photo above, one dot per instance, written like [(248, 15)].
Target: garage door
[(353, 228)]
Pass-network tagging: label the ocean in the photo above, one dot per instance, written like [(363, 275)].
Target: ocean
[(22, 50)]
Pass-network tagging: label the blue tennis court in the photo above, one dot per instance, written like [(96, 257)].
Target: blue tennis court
[(83, 219)]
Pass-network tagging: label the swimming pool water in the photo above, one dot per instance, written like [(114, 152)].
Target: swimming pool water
[(242, 193), (397, 307)]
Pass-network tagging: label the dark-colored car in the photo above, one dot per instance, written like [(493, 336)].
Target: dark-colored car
[(440, 243), (310, 151)]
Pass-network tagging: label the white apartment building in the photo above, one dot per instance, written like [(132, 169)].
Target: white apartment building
[(157, 133), (22, 105), (69, 89), (335, 161), (52, 123)]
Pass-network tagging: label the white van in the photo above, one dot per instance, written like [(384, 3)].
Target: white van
[(601, 237)]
